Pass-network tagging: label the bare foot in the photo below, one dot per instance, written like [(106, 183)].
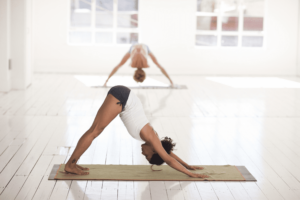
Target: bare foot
[(75, 170), (82, 168)]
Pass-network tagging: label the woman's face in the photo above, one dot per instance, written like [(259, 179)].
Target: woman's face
[(147, 151)]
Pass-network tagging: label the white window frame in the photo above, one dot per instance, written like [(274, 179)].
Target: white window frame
[(114, 30), (240, 33)]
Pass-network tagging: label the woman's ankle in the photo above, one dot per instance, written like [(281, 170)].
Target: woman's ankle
[(71, 163)]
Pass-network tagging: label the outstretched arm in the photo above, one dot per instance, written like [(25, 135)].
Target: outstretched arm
[(184, 163), (123, 61), (160, 67), (155, 142)]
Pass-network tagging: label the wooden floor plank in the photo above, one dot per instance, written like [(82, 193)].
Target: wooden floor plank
[(93, 190), (13, 187), (7, 156), (60, 190), (206, 190), (45, 188), (36, 151), (158, 190), (29, 188), (77, 190), (19, 157)]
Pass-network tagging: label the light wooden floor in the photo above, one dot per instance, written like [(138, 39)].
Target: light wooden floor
[(212, 124)]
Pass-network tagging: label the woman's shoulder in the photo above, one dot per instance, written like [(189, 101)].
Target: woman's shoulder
[(146, 132)]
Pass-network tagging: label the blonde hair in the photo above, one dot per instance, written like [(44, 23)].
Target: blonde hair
[(139, 75)]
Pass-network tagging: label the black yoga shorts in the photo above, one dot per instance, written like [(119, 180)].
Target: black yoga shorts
[(121, 93)]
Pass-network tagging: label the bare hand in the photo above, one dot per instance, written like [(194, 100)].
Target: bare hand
[(194, 175), (193, 167), (105, 84)]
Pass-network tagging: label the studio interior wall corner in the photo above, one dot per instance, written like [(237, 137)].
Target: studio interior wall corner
[(5, 82), (298, 53), (20, 43)]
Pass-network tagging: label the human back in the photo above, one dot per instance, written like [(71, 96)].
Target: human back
[(138, 55), (133, 116)]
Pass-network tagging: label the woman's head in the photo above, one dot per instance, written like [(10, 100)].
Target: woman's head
[(139, 75), (152, 156)]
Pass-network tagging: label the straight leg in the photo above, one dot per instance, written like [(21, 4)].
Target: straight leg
[(107, 112)]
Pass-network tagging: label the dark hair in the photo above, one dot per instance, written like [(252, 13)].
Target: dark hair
[(168, 145)]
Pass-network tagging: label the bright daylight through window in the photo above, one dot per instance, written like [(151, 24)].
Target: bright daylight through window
[(103, 22), (230, 23)]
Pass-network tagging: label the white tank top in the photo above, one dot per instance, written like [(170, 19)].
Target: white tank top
[(133, 116)]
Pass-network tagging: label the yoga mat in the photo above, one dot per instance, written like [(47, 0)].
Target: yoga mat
[(95, 81), (144, 173), (148, 87)]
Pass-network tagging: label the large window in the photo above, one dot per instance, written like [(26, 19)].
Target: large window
[(103, 22), (230, 23)]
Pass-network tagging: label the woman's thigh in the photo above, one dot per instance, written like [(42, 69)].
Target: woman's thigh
[(107, 112)]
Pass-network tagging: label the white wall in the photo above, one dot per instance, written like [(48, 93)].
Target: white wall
[(21, 20), (5, 82), (298, 61), (168, 28)]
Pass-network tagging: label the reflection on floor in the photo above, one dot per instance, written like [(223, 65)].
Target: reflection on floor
[(255, 82), (212, 124)]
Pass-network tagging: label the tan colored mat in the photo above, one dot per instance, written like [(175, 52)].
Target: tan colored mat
[(144, 173)]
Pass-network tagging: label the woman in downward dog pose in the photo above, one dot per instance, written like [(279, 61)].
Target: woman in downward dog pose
[(120, 100)]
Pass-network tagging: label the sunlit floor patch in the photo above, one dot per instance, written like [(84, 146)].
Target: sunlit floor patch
[(255, 82), (98, 81)]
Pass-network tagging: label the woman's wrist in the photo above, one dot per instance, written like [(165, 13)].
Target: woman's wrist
[(185, 165), (190, 174)]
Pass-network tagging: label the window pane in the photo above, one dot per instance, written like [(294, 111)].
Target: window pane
[(206, 23), (104, 5), (252, 41), (206, 40), (80, 37), (127, 5), (127, 38), (104, 20), (80, 13), (229, 40), (127, 21), (230, 23), (229, 7), (206, 5), (104, 38), (253, 23), (253, 15)]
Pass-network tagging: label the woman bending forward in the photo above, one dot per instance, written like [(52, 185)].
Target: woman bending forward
[(139, 54), (120, 100)]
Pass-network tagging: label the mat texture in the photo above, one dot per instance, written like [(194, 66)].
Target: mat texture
[(144, 173)]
